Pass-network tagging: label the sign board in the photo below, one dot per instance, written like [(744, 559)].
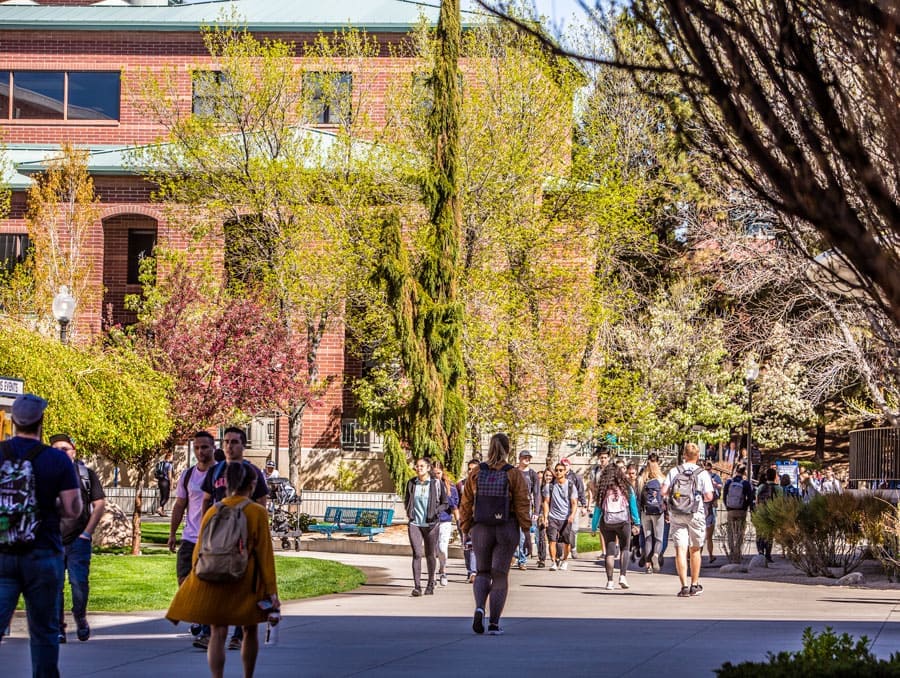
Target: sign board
[(11, 387), (792, 468)]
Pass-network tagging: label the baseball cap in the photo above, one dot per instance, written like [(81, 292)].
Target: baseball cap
[(28, 409), (270, 463), (565, 460), (524, 453)]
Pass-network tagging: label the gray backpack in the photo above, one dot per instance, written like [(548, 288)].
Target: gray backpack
[(223, 553), (683, 497)]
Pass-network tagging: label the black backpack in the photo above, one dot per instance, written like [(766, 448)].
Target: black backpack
[(71, 528), (492, 501), (161, 470), (651, 498)]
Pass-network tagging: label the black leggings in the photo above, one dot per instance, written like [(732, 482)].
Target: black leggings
[(424, 541), (494, 547), (620, 533), (164, 490)]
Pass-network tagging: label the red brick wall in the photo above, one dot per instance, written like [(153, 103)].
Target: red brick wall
[(137, 54)]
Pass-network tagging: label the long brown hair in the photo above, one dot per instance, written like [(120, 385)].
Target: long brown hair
[(498, 451), (445, 477)]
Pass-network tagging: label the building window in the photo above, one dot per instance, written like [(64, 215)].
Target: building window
[(211, 94), (140, 246), (59, 95), (328, 96), (13, 249)]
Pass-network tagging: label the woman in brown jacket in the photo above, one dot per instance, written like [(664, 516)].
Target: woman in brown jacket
[(493, 524), (233, 603)]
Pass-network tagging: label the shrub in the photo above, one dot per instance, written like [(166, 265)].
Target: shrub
[(825, 655), (824, 533), (883, 534)]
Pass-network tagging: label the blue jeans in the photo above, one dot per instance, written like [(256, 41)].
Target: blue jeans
[(38, 576), (525, 547), (77, 562)]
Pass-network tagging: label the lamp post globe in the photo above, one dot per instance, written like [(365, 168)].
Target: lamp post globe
[(63, 311)]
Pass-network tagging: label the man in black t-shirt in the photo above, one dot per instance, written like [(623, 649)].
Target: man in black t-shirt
[(77, 534), (214, 490)]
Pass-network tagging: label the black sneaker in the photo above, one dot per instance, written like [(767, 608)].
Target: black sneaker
[(541, 564), (478, 621), (494, 630), (196, 629), (201, 642), (235, 643), (84, 630), (62, 639), (429, 590), (696, 589), (416, 593), (685, 592)]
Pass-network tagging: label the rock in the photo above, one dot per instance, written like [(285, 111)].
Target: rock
[(114, 528), (731, 568), (852, 579), (757, 562)]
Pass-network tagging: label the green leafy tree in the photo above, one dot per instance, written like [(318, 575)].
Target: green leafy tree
[(113, 402), (290, 204)]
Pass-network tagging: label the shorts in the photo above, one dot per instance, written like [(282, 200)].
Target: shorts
[(710, 516), (688, 532), (183, 562), (559, 531)]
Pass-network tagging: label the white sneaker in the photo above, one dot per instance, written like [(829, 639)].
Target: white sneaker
[(554, 566), (564, 565), (623, 582), (443, 580), (609, 585)]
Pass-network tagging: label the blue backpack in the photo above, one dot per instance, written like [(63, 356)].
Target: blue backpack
[(651, 498)]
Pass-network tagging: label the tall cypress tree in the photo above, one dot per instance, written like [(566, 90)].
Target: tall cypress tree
[(424, 298)]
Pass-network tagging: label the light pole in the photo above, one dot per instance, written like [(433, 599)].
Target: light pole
[(63, 311), (750, 378)]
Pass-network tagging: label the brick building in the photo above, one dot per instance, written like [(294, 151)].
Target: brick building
[(69, 72)]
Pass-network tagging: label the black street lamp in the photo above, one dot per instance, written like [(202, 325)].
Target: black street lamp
[(63, 311), (750, 379)]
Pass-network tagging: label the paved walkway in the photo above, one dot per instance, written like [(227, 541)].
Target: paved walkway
[(563, 623)]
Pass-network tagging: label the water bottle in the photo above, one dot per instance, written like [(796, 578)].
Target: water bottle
[(272, 630)]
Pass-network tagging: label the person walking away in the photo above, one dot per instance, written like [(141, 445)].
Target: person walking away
[(219, 601), (546, 480), (188, 506), (533, 483), (594, 478), (494, 507), (578, 482), (465, 539), (765, 493), (445, 519), (31, 550), (164, 469), (686, 487), (215, 489), (738, 494), (77, 535), (653, 511), (559, 507), (619, 520), (710, 508), (425, 499)]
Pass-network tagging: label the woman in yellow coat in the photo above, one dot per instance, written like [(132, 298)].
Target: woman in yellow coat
[(233, 603)]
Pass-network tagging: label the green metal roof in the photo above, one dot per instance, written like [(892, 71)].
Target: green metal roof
[(259, 15)]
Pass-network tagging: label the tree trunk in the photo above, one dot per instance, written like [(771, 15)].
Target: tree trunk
[(552, 447), (295, 441), (136, 514), (820, 433)]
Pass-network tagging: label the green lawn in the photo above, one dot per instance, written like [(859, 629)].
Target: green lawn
[(156, 533), (131, 583), (587, 543)]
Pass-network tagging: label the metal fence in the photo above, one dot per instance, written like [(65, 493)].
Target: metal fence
[(313, 502), (875, 456)]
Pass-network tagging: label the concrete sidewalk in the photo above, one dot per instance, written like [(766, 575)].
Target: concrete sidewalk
[(564, 623)]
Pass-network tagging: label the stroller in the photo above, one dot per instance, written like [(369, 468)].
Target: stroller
[(284, 513)]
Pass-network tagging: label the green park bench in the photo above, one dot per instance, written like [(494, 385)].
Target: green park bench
[(363, 521)]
